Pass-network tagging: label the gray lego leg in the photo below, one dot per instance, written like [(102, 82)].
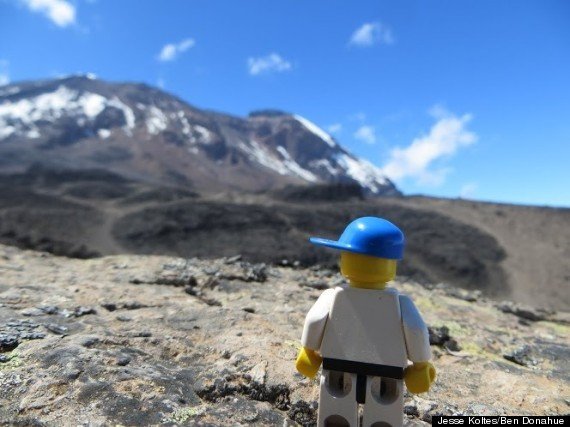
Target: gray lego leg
[(384, 405), (337, 402)]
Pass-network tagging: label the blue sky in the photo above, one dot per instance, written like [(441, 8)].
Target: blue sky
[(451, 98)]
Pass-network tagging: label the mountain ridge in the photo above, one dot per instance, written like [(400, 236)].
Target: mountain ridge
[(151, 133)]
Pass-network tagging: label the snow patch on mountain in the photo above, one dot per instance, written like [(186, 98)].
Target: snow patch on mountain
[(11, 90), (33, 134), (92, 104), (324, 164), (314, 129), (294, 167), (6, 131), (44, 106), (21, 116), (184, 121), (362, 171), (258, 154), (128, 113), (205, 134), (283, 166), (103, 133), (156, 120)]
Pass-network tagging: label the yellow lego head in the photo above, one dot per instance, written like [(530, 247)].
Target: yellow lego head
[(365, 271)]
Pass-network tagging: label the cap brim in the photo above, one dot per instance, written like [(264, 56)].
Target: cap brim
[(349, 248), (333, 244)]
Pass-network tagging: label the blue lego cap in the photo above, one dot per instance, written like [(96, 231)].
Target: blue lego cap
[(368, 236)]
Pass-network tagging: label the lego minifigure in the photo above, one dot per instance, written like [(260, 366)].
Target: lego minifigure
[(365, 334)]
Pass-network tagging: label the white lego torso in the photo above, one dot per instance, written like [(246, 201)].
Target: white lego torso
[(381, 327), (365, 325)]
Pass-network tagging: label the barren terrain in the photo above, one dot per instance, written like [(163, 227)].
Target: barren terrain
[(505, 251), (139, 340)]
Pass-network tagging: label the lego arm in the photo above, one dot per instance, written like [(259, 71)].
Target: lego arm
[(308, 360), (421, 374)]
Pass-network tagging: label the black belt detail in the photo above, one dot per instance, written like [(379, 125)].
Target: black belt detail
[(361, 389), (363, 368)]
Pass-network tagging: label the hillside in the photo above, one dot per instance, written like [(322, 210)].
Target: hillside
[(505, 251), (536, 241), (146, 134), (139, 340)]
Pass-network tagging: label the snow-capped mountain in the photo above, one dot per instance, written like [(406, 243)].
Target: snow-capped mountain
[(148, 134)]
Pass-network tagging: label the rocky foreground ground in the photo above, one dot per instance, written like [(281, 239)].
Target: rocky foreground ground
[(137, 340)]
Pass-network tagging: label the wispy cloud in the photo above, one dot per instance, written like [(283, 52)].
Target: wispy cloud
[(272, 63), (448, 134), (4, 75), (357, 117), (335, 128), (468, 190), (371, 33), (170, 51), (60, 12), (366, 134)]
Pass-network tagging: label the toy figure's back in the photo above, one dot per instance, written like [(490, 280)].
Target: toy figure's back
[(365, 325)]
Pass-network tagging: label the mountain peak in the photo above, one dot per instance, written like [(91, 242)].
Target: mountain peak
[(268, 112), (141, 131), (78, 76)]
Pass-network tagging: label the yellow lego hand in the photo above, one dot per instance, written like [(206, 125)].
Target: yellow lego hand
[(308, 362), (419, 377)]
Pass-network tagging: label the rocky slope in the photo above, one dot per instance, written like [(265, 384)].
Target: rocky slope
[(505, 251), (139, 340), (149, 135)]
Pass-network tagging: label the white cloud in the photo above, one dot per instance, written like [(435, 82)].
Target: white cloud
[(266, 64), (4, 75), (445, 137), (170, 51), (468, 190), (60, 12), (335, 128), (366, 134), (160, 82), (371, 33), (438, 111)]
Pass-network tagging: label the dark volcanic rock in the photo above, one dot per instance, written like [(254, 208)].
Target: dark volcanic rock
[(323, 193), (521, 356), (524, 312), (458, 253), (14, 331), (440, 336)]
